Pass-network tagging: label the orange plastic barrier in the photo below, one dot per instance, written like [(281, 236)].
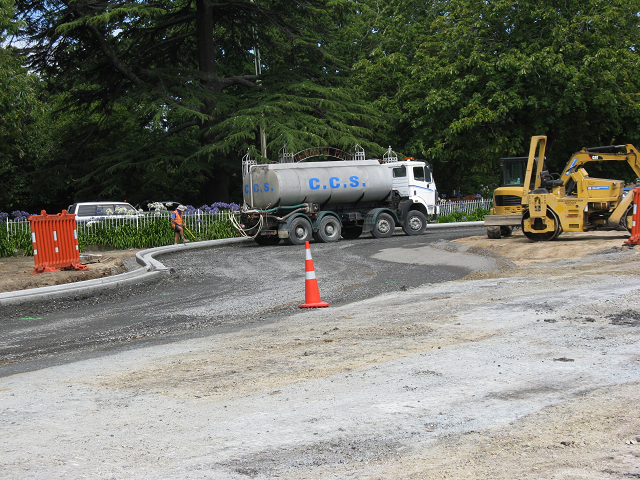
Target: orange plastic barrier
[(55, 242), (635, 229)]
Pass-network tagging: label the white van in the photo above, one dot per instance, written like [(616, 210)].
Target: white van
[(94, 211)]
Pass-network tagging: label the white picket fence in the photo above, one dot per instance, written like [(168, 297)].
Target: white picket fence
[(466, 206), (200, 220), (196, 221)]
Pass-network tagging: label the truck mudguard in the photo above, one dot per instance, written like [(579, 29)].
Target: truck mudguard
[(283, 227), (323, 214), (372, 215)]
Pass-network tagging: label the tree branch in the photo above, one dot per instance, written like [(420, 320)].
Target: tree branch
[(112, 57), (238, 80), (179, 128)]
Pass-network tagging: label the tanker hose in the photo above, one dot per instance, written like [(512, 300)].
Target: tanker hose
[(290, 213), (294, 206), (246, 232), (254, 231)]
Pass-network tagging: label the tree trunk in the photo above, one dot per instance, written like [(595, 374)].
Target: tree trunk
[(218, 186)]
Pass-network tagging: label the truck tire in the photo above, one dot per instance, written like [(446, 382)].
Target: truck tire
[(415, 223), (300, 231), (494, 232), (351, 233), (506, 231), (384, 226), (328, 230)]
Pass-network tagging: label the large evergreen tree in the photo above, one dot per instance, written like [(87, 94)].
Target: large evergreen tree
[(163, 97), (474, 80)]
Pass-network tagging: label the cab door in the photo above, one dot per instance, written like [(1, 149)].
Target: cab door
[(422, 185)]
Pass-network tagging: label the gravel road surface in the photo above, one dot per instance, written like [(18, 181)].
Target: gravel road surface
[(534, 375)]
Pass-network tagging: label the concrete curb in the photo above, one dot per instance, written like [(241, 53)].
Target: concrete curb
[(436, 226), (150, 268)]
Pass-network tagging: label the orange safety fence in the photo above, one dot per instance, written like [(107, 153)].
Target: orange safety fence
[(55, 242), (635, 229)]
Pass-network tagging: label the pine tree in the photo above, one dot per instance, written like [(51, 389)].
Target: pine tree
[(166, 96)]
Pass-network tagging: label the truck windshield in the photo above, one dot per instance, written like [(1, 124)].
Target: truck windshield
[(421, 174), (513, 171)]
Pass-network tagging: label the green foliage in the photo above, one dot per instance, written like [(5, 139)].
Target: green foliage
[(460, 216), (214, 231), (152, 101), (475, 83), (154, 234), (162, 100), (21, 121), (18, 243)]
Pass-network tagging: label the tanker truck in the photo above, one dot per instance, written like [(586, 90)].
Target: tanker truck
[(296, 201)]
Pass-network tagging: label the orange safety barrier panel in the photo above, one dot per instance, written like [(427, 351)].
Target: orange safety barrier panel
[(55, 242), (635, 229)]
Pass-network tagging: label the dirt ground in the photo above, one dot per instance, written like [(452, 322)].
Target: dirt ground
[(523, 252), (16, 273), (530, 372)]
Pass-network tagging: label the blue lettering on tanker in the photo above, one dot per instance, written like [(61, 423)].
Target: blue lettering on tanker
[(257, 189), (314, 184), (334, 182)]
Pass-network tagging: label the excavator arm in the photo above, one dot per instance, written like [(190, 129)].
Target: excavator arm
[(586, 155)]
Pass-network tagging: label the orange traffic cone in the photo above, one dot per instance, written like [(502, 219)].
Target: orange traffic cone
[(312, 294)]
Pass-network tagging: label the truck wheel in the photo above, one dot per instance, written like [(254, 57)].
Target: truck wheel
[(384, 226), (299, 231), (506, 231), (328, 230), (415, 223), (351, 233), (494, 232), (267, 240)]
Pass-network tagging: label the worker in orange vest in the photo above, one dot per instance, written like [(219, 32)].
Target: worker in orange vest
[(178, 226)]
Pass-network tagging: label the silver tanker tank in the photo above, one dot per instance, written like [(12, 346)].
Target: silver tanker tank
[(286, 184)]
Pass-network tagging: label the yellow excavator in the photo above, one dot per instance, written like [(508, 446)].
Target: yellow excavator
[(574, 201)]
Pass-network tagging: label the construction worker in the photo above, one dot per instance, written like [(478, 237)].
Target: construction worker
[(177, 224)]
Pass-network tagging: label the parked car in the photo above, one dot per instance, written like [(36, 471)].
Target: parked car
[(94, 211)]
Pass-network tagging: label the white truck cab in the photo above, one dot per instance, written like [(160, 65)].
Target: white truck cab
[(413, 179)]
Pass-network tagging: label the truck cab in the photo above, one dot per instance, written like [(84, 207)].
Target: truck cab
[(413, 180)]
